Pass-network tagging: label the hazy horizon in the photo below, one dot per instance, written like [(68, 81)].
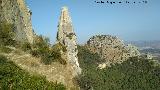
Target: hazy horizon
[(130, 22)]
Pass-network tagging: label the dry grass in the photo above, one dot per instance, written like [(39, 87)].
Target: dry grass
[(55, 72)]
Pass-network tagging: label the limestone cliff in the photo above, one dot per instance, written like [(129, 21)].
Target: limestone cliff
[(111, 48), (17, 13), (67, 37)]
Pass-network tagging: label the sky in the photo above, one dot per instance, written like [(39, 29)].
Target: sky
[(130, 22)]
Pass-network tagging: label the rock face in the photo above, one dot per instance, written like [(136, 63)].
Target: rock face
[(111, 48), (67, 37), (17, 13)]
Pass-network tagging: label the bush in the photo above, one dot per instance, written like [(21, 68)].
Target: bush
[(41, 48), (47, 58), (56, 52), (3, 59), (35, 53), (26, 46), (47, 54), (62, 61), (5, 49), (14, 78), (7, 34), (58, 47)]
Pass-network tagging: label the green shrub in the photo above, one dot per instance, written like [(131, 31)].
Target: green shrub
[(26, 46), (41, 48), (62, 61), (47, 58), (14, 78), (5, 49), (7, 34), (56, 52), (3, 59), (41, 42), (58, 47), (35, 53)]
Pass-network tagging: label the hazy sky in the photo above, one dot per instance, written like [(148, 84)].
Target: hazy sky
[(127, 21)]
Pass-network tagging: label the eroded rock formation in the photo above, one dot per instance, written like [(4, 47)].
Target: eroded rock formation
[(67, 37), (17, 13), (111, 48)]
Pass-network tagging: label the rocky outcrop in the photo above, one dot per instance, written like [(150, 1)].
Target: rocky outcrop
[(17, 13), (67, 37), (111, 48)]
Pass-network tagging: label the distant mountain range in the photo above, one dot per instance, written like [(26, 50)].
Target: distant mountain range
[(155, 44)]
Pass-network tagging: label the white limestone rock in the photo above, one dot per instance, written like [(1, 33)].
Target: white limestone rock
[(111, 48), (67, 37)]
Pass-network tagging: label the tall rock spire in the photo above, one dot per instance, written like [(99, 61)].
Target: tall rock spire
[(65, 24), (67, 37)]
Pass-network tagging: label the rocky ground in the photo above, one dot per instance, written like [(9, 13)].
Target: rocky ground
[(111, 48)]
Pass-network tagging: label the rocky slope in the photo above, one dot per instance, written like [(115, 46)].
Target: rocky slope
[(17, 13), (55, 72), (111, 48)]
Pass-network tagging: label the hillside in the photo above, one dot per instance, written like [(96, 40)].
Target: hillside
[(111, 48), (55, 72), (133, 74), (29, 61), (12, 77)]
